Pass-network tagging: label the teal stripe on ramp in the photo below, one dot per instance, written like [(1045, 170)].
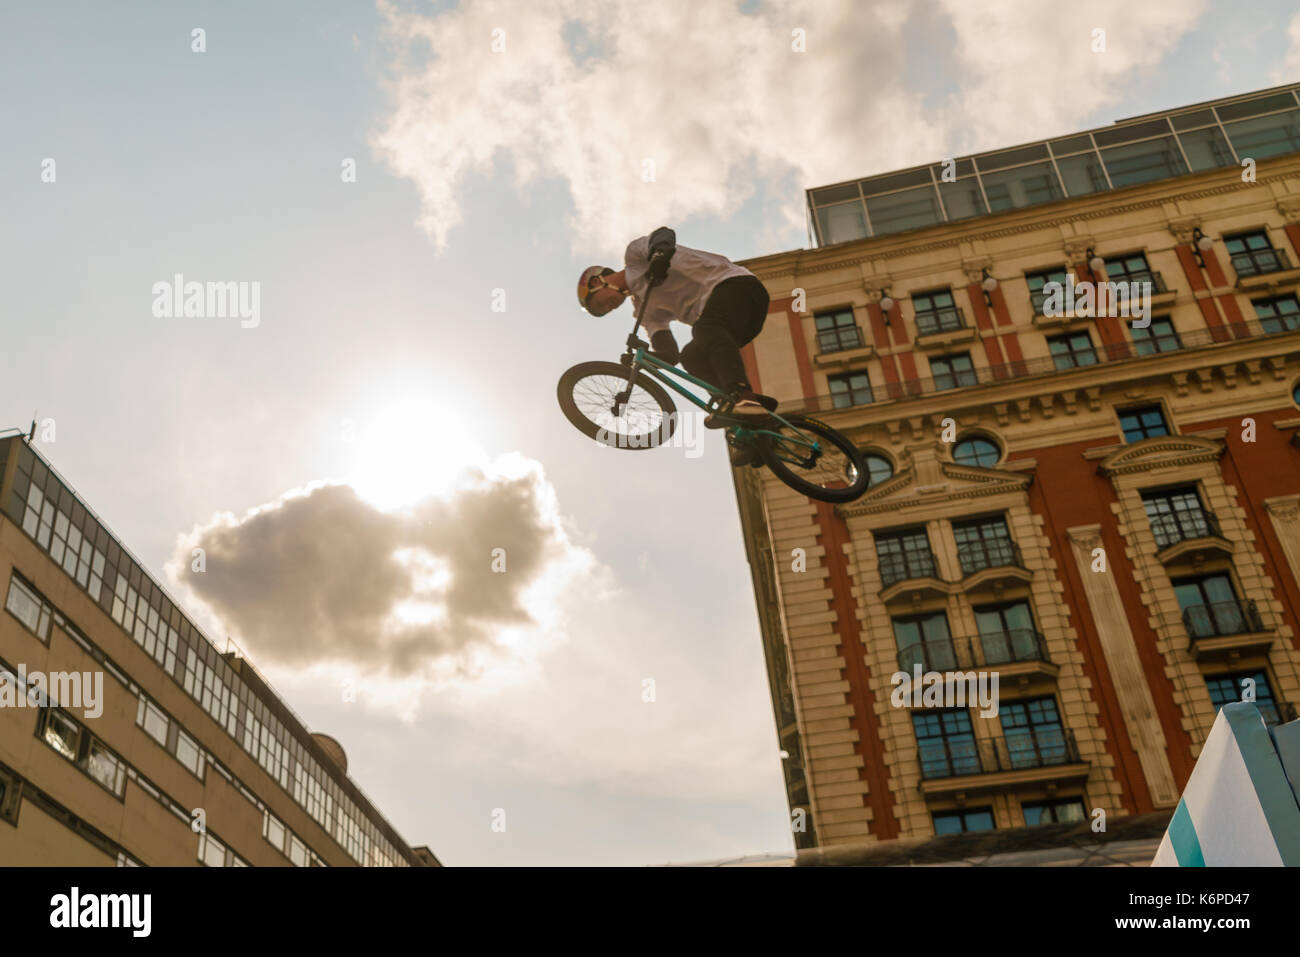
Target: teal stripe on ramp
[(1182, 837)]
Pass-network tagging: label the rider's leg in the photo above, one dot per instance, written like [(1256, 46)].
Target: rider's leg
[(733, 316)]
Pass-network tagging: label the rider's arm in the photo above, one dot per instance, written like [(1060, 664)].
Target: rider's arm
[(665, 346)]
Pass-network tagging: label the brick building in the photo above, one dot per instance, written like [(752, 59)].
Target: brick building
[(1105, 514)]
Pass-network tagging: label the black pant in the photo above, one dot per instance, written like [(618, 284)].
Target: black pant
[(732, 316)]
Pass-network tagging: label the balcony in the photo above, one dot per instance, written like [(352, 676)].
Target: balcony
[(991, 564), (933, 321), (1229, 628), (1259, 262), (1015, 652), (1108, 354), (895, 568), (839, 339), (1180, 534), (1038, 755)]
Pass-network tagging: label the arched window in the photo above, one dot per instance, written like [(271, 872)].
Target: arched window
[(878, 467), (976, 450)]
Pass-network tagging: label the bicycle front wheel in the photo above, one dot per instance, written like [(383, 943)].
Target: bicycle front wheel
[(588, 393), (832, 471)]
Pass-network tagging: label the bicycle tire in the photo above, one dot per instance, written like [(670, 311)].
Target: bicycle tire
[(855, 482), (601, 376)]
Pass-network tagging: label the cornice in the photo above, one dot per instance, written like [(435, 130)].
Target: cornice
[(1161, 452)]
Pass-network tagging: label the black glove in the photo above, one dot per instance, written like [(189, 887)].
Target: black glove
[(658, 269), (662, 245)]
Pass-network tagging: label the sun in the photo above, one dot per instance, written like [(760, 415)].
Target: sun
[(409, 449)]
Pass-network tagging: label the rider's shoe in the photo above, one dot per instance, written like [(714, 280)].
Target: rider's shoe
[(744, 455), (750, 406)]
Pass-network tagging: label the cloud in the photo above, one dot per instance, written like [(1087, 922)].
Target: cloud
[(321, 577), (721, 104), (1290, 68)]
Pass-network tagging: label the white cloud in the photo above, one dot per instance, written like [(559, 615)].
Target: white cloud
[(721, 104), (1290, 67)]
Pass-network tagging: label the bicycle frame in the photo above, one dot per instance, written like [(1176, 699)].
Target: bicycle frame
[(655, 368)]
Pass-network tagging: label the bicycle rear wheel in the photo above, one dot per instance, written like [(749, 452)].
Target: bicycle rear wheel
[(833, 472), (587, 393)]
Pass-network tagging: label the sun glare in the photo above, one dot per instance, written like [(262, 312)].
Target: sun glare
[(409, 450)]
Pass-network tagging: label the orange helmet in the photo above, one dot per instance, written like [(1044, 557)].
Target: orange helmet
[(586, 287)]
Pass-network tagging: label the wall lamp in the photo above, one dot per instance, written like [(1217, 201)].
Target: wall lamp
[(988, 285), (1201, 243), (1095, 262), (886, 304)]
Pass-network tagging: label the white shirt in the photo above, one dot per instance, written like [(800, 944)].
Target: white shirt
[(692, 275)]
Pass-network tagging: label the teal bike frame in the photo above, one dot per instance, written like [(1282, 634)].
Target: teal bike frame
[(742, 433), (655, 368)]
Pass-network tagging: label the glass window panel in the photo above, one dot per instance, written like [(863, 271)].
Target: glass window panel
[(1143, 162), (1022, 186), (842, 223), (1266, 136), (24, 604), (909, 209), (105, 767), (188, 753), (962, 199), (61, 733), (1082, 174), (1207, 149)]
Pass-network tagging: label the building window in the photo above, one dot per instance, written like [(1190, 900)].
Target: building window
[(1131, 267), (1177, 514), (10, 798), (1007, 633), (945, 743), (212, 853), (1037, 280), (297, 852), (189, 753), (924, 640), (984, 543), (152, 720), (25, 604), (1067, 811), (1253, 255), (952, 371), (1211, 607), (976, 451), (273, 831), (1157, 337), (960, 822), (1072, 350), (1143, 422), (836, 331), (879, 468), (1033, 732), (904, 554), (936, 312), (853, 388), (1225, 689), (92, 756), (1278, 314), (1295, 393)]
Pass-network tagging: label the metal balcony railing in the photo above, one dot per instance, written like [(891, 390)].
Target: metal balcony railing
[(1156, 279), (1170, 528), (839, 339), (947, 319), (1258, 262), (962, 654), (988, 553), (1044, 365), (896, 568), (1221, 618), (1019, 749)]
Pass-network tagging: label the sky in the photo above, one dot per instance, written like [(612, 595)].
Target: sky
[(412, 190)]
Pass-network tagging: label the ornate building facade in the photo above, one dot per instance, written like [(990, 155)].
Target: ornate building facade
[(1102, 510)]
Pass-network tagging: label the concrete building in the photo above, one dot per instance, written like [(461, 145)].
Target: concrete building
[(1101, 509), (126, 737)]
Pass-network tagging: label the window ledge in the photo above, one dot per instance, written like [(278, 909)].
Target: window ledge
[(845, 357), (947, 337), (1283, 277)]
